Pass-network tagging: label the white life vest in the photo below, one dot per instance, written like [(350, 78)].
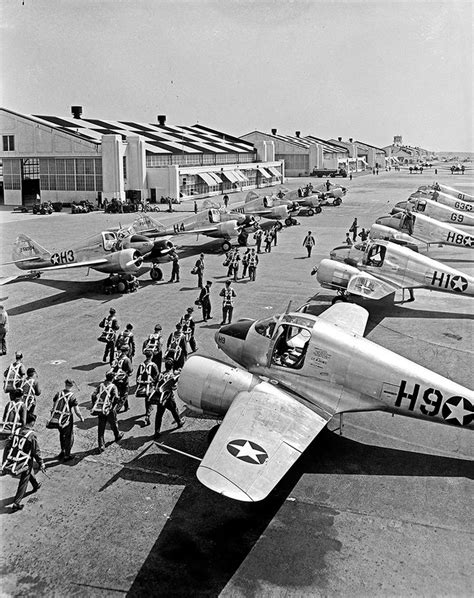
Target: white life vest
[(13, 378), (252, 260), (145, 379), (19, 455), (103, 404), (117, 368), (12, 420), (186, 328), (174, 350), (228, 297), (109, 333), (153, 343), (61, 412), (164, 388), (124, 339), (29, 394)]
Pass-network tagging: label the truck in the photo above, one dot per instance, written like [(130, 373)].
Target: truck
[(329, 172)]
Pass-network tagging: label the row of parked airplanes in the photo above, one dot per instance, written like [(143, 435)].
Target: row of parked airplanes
[(146, 243), (297, 371)]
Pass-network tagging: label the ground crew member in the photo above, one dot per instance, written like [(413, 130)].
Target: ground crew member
[(348, 240), (64, 405), (199, 269), (268, 242), (245, 263), (309, 242), (175, 267), (176, 348), (30, 389), (226, 201), (258, 236), (188, 327), (235, 264), (105, 401), (228, 294), (328, 185), (122, 369), (147, 377), (205, 299), (274, 232), (153, 343), (14, 374), (126, 339), (228, 261), (21, 450), (3, 330), (109, 335), (253, 261), (165, 397), (364, 234), (14, 414), (353, 229)]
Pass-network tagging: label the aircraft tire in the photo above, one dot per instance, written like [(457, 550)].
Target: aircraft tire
[(288, 221), (318, 209), (337, 201), (156, 274), (226, 246), (311, 212), (212, 432), (121, 287)]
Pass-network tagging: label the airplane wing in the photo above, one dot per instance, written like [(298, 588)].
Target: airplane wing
[(84, 264), (366, 285), (350, 317), (261, 437)]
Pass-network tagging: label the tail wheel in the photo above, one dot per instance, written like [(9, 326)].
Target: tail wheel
[(226, 246), (212, 432), (156, 274)]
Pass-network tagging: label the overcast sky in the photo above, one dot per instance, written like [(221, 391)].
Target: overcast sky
[(368, 70)]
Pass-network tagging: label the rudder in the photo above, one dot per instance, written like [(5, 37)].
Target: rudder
[(25, 248)]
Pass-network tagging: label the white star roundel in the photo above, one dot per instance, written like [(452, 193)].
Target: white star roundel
[(248, 451), (468, 241), (458, 411), (458, 283)]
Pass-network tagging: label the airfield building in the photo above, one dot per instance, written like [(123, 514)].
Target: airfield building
[(66, 159)]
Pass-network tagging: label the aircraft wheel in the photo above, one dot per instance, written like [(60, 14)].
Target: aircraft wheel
[(311, 212), (212, 432), (226, 246), (156, 274), (318, 210), (337, 201), (121, 287)]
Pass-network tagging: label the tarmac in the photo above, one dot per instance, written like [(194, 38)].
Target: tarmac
[(381, 507)]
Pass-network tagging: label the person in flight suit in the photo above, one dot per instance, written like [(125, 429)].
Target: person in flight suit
[(253, 263), (228, 295), (167, 382), (235, 264), (122, 369), (205, 299), (153, 343), (268, 242), (188, 327), (245, 263), (126, 339), (199, 269), (64, 405), (14, 374), (105, 401), (258, 236), (176, 348), (30, 389), (175, 267), (21, 450), (309, 242), (15, 412), (109, 336), (147, 377)]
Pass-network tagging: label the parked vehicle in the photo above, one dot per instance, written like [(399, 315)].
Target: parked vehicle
[(329, 172), (44, 207)]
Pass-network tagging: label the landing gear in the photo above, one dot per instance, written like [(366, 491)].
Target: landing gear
[(311, 212), (121, 283), (212, 432), (288, 221), (279, 225), (226, 246), (341, 297), (156, 274), (318, 209), (337, 201)]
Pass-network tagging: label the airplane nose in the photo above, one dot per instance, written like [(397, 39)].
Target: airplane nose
[(237, 330)]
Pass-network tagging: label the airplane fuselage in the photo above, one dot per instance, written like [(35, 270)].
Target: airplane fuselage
[(435, 210)]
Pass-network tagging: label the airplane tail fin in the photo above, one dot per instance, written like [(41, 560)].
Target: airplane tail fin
[(25, 248), (144, 222), (251, 195)]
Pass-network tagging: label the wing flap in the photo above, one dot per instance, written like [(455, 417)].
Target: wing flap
[(261, 437), (350, 317), (366, 285)]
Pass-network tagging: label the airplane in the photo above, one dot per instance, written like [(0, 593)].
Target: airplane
[(443, 198), (106, 252), (333, 195), (210, 222), (380, 268), (311, 203), (294, 373), (268, 207), (434, 210), (407, 226), (448, 190)]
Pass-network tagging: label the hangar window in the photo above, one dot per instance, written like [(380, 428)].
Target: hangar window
[(8, 143), (291, 346)]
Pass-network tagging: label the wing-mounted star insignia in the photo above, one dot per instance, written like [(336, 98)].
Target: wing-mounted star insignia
[(458, 411), (247, 451)]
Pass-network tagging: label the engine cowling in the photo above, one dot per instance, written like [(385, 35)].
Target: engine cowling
[(279, 212), (228, 229), (209, 386), (335, 275), (126, 261)]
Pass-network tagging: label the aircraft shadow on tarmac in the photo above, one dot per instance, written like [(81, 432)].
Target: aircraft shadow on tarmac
[(207, 536)]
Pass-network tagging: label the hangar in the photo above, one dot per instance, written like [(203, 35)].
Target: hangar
[(65, 159)]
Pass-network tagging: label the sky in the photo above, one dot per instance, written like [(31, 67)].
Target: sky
[(368, 70)]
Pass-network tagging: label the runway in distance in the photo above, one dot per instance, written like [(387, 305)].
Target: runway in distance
[(107, 252), (435, 210), (407, 226), (296, 372), (377, 269)]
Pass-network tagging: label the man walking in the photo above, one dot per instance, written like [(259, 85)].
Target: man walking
[(64, 405), (153, 343), (21, 451), (309, 242), (353, 229), (228, 295), (109, 335), (258, 236), (268, 242), (199, 269), (122, 370), (205, 299), (147, 376), (105, 401), (188, 328), (164, 395), (253, 261), (14, 374), (3, 330), (174, 267)]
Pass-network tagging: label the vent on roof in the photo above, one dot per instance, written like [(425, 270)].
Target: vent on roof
[(350, 139), (297, 133), (339, 138), (161, 119), (274, 131), (76, 111)]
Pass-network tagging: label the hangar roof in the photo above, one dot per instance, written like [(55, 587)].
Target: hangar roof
[(159, 139), (328, 145)]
